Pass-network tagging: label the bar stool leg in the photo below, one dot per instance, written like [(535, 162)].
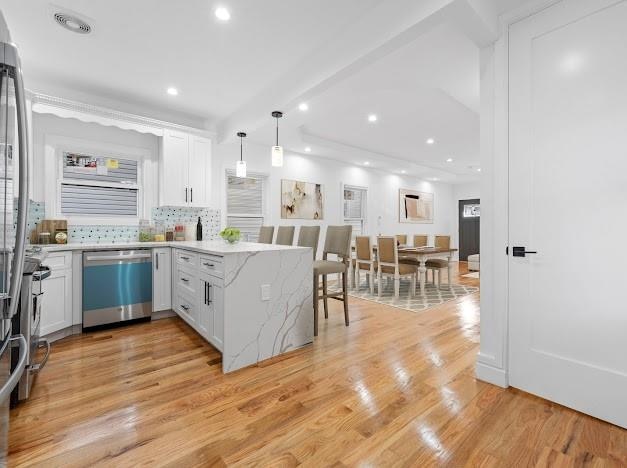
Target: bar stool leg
[(316, 300), (345, 297), (324, 296)]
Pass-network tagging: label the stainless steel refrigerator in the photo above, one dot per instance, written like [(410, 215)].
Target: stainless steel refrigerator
[(13, 189)]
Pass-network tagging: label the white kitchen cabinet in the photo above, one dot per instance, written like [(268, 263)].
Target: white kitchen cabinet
[(185, 170), (56, 305), (211, 311), (161, 279)]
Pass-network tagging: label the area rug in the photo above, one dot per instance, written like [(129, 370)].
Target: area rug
[(473, 274), (433, 296)]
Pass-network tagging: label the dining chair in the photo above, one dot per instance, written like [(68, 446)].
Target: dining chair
[(439, 265), (337, 242), (364, 260), (402, 239), (285, 235), (265, 234), (421, 240), (388, 265), (308, 236)]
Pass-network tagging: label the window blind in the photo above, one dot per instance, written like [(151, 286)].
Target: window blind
[(354, 209), (125, 172), (79, 199), (244, 205), (244, 195)]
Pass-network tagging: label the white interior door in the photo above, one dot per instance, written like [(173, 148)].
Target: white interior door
[(568, 199)]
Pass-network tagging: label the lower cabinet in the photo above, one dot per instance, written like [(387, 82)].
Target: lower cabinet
[(161, 279), (211, 317), (56, 304), (198, 296)]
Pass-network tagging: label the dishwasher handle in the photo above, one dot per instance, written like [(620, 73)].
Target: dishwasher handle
[(117, 257)]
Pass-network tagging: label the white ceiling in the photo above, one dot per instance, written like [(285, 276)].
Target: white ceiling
[(406, 61)]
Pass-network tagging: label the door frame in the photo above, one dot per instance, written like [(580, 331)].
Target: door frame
[(460, 203)]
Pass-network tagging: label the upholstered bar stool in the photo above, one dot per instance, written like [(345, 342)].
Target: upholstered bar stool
[(308, 236), (364, 261), (265, 234), (285, 235), (439, 265), (337, 242)]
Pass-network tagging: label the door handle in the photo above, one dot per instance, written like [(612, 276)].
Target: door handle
[(521, 252), (12, 381)]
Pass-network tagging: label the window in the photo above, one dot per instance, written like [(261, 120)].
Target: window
[(99, 186), (355, 208), (472, 211), (245, 204)]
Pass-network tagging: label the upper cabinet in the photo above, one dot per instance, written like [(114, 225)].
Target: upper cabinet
[(185, 170)]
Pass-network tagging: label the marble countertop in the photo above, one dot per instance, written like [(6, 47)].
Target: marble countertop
[(218, 247)]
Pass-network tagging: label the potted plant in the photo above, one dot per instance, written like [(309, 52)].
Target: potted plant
[(231, 235)]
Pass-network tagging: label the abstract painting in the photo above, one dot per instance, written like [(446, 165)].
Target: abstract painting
[(415, 207), (301, 200)]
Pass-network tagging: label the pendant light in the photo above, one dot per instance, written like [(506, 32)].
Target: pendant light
[(240, 167), (277, 151)]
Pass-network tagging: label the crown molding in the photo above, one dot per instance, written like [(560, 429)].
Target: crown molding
[(66, 108)]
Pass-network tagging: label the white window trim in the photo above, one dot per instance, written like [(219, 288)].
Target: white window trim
[(364, 207), (54, 148)]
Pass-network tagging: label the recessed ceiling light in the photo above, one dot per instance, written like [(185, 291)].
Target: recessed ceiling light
[(372, 118), (434, 179), (478, 169), (303, 106), (222, 14), (403, 171), (308, 149), (367, 163), (430, 141), (173, 91), (449, 160)]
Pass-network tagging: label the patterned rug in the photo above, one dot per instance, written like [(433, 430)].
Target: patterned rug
[(433, 296)]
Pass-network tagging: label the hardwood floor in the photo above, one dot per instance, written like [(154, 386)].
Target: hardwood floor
[(395, 388)]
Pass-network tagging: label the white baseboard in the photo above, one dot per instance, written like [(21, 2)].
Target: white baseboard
[(491, 374)]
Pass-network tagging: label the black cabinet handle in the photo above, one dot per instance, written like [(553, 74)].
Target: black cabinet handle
[(157, 261), (185, 194), (191, 195), (185, 307), (210, 300)]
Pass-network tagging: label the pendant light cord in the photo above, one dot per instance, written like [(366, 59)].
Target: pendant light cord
[(277, 131), (241, 148)]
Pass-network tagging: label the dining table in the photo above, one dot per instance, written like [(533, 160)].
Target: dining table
[(422, 254)]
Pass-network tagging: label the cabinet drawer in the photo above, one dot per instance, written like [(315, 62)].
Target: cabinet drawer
[(185, 281), (212, 264), (58, 260), (186, 308), (183, 257)]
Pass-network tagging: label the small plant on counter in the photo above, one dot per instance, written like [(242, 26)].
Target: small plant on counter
[(231, 235)]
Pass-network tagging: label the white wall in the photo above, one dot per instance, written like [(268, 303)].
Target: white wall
[(382, 190), (46, 126)]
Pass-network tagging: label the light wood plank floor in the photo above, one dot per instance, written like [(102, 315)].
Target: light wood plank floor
[(394, 389)]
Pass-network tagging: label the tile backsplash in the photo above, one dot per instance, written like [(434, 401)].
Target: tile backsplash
[(168, 216)]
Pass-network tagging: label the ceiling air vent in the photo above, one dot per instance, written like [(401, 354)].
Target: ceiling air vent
[(72, 23)]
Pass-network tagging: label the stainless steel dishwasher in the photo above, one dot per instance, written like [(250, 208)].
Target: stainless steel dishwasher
[(117, 286)]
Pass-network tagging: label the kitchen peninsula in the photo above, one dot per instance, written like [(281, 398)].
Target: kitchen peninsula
[(251, 301)]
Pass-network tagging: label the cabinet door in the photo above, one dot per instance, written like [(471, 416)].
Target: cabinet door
[(56, 304), (216, 304), (199, 171), (161, 279), (174, 190), (205, 317)]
